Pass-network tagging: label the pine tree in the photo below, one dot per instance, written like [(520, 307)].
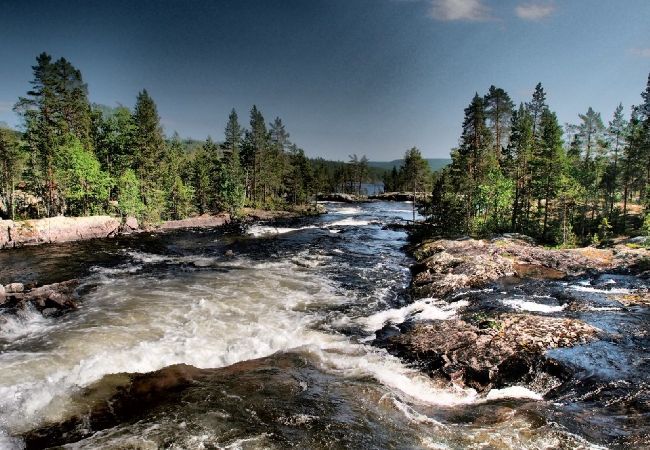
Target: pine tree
[(616, 138), (39, 111), (233, 134), (475, 157), (253, 152), (536, 107), (520, 153), (149, 155), (643, 142), (550, 164), (178, 194), (74, 108), (11, 160), (592, 166), (232, 186), (276, 165), (498, 110), (418, 173)]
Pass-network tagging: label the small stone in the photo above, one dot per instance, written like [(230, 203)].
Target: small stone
[(14, 288), (230, 253)]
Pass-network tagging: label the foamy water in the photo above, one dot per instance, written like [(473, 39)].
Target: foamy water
[(524, 305), (423, 309)]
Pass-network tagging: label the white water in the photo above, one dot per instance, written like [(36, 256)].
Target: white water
[(141, 324), (523, 305), (600, 291), (260, 230), (424, 309)]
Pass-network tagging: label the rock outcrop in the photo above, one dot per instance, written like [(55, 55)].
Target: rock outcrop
[(489, 353), (444, 266), (489, 345), (56, 230)]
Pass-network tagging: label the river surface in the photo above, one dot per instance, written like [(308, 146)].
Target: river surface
[(277, 323)]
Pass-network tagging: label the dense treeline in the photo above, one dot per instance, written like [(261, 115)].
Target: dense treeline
[(75, 158), (517, 169)]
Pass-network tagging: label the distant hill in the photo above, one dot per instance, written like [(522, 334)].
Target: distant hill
[(434, 163)]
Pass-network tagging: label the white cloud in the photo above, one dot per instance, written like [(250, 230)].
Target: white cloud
[(640, 52), (472, 10), (534, 11)]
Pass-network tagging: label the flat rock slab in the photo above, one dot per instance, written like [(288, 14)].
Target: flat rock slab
[(56, 230)]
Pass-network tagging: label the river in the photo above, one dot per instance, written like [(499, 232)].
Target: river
[(305, 296)]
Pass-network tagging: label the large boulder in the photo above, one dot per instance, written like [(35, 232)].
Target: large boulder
[(509, 349)]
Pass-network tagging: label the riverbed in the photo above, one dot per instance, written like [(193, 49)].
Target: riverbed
[(252, 337)]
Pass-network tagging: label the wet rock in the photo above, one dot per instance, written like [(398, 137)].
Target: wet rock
[(50, 312), (281, 401), (3, 294), (229, 253), (399, 196), (59, 296), (482, 358)]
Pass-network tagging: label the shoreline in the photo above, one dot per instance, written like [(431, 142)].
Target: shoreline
[(62, 229)]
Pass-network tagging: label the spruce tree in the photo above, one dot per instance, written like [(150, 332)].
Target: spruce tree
[(149, 155)]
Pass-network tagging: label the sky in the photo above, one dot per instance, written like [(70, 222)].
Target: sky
[(372, 77)]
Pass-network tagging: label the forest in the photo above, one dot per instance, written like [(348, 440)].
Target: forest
[(517, 169), (76, 158)]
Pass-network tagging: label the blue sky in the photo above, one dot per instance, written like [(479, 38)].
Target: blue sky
[(370, 77)]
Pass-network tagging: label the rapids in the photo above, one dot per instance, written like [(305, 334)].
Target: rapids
[(279, 334)]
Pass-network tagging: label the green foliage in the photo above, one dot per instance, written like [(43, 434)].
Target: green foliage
[(514, 170), (562, 187), (11, 163), (646, 225), (128, 194), (604, 230), (82, 184)]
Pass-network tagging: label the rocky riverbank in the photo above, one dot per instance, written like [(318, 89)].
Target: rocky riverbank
[(52, 230), (510, 296)]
